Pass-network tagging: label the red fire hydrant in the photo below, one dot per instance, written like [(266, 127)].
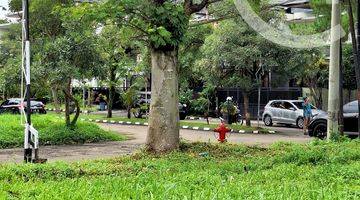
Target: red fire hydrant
[(222, 130)]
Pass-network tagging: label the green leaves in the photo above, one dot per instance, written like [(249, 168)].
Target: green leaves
[(160, 36), (234, 53), (168, 24), (162, 26)]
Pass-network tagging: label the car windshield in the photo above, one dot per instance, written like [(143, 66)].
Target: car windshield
[(299, 105)]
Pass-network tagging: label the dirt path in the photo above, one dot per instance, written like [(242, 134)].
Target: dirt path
[(137, 136)]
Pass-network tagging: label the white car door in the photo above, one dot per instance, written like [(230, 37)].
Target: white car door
[(275, 110), (289, 113)]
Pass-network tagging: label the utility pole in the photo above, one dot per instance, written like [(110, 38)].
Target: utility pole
[(334, 75)]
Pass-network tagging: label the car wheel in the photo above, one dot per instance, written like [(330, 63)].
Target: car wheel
[(320, 130), (300, 123), (267, 120)]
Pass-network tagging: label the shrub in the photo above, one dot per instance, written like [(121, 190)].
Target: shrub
[(52, 131)]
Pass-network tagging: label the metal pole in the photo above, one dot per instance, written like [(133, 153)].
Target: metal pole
[(334, 74), (258, 77), (28, 150)]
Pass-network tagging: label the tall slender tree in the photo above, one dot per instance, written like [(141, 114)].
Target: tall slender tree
[(334, 75)]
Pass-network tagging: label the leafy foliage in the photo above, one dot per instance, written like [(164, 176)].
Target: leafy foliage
[(234, 53), (163, 24)]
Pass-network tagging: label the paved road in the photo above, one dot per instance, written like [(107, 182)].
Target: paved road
[(279, 128), (139, 132), (137, 136), (282, 129)]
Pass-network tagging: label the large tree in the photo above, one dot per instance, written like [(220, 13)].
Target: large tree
[(163, 24)]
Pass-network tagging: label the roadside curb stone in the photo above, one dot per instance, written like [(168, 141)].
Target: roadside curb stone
[(208, 129)]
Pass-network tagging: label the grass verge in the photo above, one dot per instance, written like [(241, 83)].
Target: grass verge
[(317, 170), (52, 131), (182, 123)]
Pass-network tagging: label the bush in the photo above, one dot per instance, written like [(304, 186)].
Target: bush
[(52, 131), (199, 106)]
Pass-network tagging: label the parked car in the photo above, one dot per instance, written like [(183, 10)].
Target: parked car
[(288, 112), (318, 125), (14, 105)]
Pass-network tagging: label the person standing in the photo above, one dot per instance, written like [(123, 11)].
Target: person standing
[(307, 114)]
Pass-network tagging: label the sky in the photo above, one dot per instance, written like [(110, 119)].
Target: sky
[(5, 4)]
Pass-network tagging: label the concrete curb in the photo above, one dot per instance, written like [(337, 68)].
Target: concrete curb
[(62, 110), (195, 118), (208, 129)]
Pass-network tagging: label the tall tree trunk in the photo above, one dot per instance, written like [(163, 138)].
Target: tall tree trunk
[(246, 109), (110, 101), (111, 92), (128, 109), (67, 104), (68, 98), (163, 131), (334, 72), (77, 113), (54, 92), (355, 54)]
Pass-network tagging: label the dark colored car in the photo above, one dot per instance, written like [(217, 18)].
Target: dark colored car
[(13, 106), (318, 126)]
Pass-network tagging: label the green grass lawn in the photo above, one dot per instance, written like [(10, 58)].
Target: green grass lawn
[(317, 170), (182, 123), (62, 106), (52, 131)]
